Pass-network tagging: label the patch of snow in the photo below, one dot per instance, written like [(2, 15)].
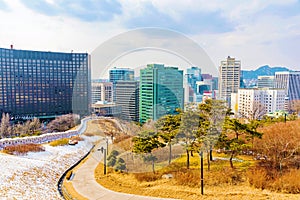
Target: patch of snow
[(35, 175)]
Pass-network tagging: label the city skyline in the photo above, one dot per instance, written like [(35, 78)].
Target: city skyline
[(245, 30)]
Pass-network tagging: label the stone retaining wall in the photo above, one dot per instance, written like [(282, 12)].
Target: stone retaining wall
[(45, 138)]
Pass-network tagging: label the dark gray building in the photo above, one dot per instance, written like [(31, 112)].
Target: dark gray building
[(44, 84), (127, 96)]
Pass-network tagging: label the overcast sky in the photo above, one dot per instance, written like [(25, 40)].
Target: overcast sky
[(255, 32)]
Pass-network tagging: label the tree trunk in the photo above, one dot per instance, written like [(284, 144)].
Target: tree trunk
[(153, 166), (170, 153), (208, 160), (192, 154), (210, 153), (187, 159), (230, 159)]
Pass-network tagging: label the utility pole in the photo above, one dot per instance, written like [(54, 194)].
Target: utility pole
[(103, 150)]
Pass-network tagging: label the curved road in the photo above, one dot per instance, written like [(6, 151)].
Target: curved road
[(85, 184)]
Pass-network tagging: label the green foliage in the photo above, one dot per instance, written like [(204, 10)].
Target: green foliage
[(120, 160), (231, 139), (146, 142), (120, 166), (111, 161), (114, 153)]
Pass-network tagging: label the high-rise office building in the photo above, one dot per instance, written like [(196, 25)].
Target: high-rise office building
[(193, 75), (161, 91), (290, 81), (120, 74), (229, 78), (127, 96), (265, 81), (101, 91), (44, 84)]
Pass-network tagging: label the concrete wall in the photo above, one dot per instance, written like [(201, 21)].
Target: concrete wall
[(45, 138)]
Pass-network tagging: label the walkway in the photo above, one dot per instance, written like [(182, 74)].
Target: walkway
[(85, 184)]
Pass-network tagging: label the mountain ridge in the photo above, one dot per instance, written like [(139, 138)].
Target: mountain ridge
[(264, 70)]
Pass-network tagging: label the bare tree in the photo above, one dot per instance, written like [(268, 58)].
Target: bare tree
[(257, 111), (295, 106), (62, 123), (280, 143), (35, 126), (5, 129)]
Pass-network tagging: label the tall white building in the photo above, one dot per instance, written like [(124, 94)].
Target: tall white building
[(229, 78), (290, 82), (102, 91), (254, 100)]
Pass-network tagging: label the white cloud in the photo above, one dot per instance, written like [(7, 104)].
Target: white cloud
[(257, 37)]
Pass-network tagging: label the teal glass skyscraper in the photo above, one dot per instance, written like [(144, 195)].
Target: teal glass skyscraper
[(161, 91)]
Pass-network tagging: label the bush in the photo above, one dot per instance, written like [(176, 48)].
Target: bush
[(288, 182), (78, 138), (120, 160), (111, 161), (120, 166), (114, 153), (258, 177), (23, 149), (120, 138), (60, 142), (147, 176), (89, 134), (188, 178), (262, 178)]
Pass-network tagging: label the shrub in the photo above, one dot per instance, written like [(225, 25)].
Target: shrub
[(263, 178), (147, 176), (258, 177), (111, 161), (78, 138), (188, 178), (114, 153), (288, 182), (120, 166), (60, 142), (120, 160), (23, 149), (89, 134), (120, 138)]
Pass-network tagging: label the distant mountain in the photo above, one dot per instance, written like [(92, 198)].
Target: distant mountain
[(262, 71)]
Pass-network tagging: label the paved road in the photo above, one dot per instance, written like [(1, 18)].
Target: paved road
[(85, 184)]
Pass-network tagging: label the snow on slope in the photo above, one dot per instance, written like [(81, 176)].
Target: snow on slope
[(35, 175)]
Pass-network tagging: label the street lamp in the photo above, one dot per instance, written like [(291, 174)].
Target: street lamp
[(103, 150), (201, 172), (106, 139)]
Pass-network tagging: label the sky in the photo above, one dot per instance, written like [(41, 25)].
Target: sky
[(265, 32)]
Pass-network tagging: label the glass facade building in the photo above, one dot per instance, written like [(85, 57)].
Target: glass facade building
[(290, 81), (161, 91), (44, 84), (120, 74), (127, 96)]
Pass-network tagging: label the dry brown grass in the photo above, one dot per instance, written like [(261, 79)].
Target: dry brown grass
[(60, 142), (167, 188), (23, 149), (69, 189), (78, 138), (93, 129), (285, 182)]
